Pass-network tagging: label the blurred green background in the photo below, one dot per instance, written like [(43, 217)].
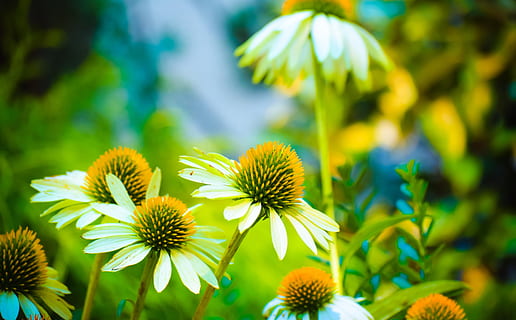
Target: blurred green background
[(80, 77)]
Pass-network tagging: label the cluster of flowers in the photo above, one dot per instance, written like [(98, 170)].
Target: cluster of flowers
[(118, 202)]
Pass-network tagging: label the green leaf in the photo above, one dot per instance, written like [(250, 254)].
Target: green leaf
[(386, 308), (367, 232), (121, 306)]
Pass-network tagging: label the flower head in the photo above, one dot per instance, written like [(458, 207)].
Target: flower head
[(26, 281), (308, 31), (435, 307), (80, 193), (160, 226), (309, 291), (266, 183)]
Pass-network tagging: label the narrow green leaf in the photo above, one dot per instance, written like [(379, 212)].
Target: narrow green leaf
[(386, 308), (367, 232), (121, 306)]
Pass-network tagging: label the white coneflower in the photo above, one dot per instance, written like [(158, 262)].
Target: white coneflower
[(79, 193), (27, 285), (266, 183), (310, 293), (308, 31)]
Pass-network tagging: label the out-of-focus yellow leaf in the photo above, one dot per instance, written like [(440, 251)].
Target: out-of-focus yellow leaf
[(477, 279), (356, 138), (401, 96), (477, 103), (444, 128)]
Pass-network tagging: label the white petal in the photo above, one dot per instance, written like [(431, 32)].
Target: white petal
[(114, 211), (203, 176), (9, 305), (186, 272), (119, 192), (289, 29), (336, 37), (279, 234), (319, 235), (202, 269), (60, 205), (128, 256), (163, 271), (358, 51), (67, 215), (318, 218), (110, 244), (321, 36), (238, 210), (56, 303), (154, 185), (303, 233), (373, 47), (250, 218), (217, 192), (87, 218), (108, 230), (28, 307)]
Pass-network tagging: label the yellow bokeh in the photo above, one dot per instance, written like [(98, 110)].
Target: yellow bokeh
[(401, 96), (444, 128)]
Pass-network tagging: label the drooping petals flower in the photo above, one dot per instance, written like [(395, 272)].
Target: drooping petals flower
[(310, 291), (79, 193), (28, 286), (308, 31), (266, 183), (160, 226), (435, 307)]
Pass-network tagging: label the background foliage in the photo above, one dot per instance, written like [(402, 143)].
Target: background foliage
[(76, 81)]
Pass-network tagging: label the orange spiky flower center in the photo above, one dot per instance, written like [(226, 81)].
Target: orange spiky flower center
[(271, 174), (435, 307), (164, 223), (306, 290), (23, 264), (332, 7), (125, 163)]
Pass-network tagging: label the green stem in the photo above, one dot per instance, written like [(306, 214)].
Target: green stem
[(231, 249), (92, 285), (326, 179), (144, 285)]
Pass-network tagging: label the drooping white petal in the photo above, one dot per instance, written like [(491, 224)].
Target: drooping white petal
[(319, 235), (279, 234), (163, 271), (238, 210), (289, 30), (202, 269), (271, 305), (336, 37), (56, 303), (108, 230), (154, 184), (186, 272), (114, 211), (119, 192), (250, 218), (28, 307), (303, 233), (56, 286), (211, 248), (321, 36), (295, 56), (209, 233), (128, 256), (373, 47), (108, 244), (10, 307), (357, 49), (318, 218)]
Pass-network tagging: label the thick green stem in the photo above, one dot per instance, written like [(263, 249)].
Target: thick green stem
[(92, 285), (231, 249), (144, 285), (326, 179)]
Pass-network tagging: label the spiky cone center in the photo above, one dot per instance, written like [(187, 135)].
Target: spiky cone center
[(271, 174), (125, 163), (435, 307), (337, 8), (306, 290), (164, 223), (23, 264)]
